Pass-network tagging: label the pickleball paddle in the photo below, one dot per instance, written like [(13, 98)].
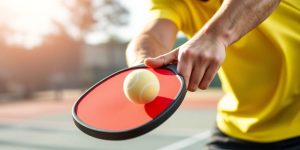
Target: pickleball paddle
[(104, 111)]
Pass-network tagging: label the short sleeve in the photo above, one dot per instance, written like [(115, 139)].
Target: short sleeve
[(162, 9)]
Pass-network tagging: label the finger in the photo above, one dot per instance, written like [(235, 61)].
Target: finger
[(209, 76), (197, 75), (162, 60), (184, 67)]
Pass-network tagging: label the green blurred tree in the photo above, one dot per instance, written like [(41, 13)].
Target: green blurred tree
[(98, 16)]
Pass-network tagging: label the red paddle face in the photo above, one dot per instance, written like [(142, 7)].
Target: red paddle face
[(107, 108)]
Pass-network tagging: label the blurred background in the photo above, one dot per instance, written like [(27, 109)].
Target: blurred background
[(53, 50), (60, 44)]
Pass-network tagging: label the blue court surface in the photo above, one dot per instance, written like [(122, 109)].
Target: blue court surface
[(48, 125)]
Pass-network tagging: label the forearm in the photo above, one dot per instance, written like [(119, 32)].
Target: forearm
[(143, 46), (158, 37), (235, 18)]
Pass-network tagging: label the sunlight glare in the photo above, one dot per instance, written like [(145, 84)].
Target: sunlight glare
[(30, 20)]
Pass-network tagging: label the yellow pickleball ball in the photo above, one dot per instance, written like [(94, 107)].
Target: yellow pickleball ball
[(141, 86)]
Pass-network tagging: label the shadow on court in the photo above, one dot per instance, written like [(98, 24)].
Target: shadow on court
[(47, 125)]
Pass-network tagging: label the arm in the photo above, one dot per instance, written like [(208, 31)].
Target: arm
[(200, 58), (235, 18), (157, 38)]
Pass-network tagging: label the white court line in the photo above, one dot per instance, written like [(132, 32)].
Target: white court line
[(187, 142)]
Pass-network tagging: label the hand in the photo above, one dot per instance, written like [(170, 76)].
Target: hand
[(198, 60)]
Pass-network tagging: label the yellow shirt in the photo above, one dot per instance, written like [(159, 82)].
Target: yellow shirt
[(261, 73)]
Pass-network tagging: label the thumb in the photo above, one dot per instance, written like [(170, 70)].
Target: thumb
[(162, 60)]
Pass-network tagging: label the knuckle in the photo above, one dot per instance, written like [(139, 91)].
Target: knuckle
[(194, 53), (206, 55), (203, 56), (186, 53), (217, 60)]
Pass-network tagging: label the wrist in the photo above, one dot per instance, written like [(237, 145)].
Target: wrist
[(208, 33), (218, 33)]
